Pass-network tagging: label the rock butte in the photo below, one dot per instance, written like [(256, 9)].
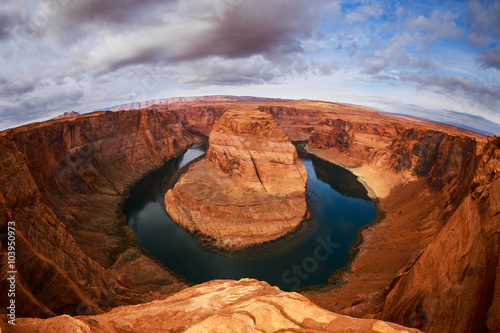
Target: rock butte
[(431, 262), (249, 189)]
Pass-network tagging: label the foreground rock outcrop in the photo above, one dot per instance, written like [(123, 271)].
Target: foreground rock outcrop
[(216, 306), (250, 188)]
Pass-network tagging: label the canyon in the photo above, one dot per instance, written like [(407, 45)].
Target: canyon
[(429, 262), (249, 189)]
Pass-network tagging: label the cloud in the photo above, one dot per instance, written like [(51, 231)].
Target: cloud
[(249, 29), (17, 88), (363, 13), (461, 119), (39, 108), (10, 16), (395, 56), (437, 27), (109, 12), (215, 71), (488, 96), (484, 20), (491, 58), (251, 71), (172, 32), (5, 26)]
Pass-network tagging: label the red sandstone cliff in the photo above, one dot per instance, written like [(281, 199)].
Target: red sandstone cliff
[(297, 123), (453, 284), (61, 182), (201, 118), (440, 196)]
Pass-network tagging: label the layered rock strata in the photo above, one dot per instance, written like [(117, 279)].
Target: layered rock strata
[(296, 118), (250, 188), (437, 187), (217, 306), (454, 283), (61, 182), (431, 263)]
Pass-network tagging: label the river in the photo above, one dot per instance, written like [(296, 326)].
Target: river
[(338, 203)]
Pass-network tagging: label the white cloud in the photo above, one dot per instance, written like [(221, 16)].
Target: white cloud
[(363, 13), (436, 28)]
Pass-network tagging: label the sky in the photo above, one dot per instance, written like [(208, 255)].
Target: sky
[(437, 57)]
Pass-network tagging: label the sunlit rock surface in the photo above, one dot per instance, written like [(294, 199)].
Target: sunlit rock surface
[(250, 188)]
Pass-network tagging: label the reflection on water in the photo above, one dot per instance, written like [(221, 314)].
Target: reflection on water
[(338, 203)]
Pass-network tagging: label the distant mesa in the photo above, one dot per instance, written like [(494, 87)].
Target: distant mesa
[(249, 189), (67, 115)]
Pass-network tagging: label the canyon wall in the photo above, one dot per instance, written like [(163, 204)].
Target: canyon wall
[(297, 123), (201, 118), (447, 281), (405, 150), (453, 285), (61, 182)]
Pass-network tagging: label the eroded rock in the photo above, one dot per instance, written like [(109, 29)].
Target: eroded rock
[(217, 306), (250, 188)]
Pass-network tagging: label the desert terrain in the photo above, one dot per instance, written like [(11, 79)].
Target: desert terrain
[(429, 261)]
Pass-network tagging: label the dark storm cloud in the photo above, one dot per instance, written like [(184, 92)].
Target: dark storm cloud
[(17, 88), (31, 108), (172, 32), (10, 19), (484, 19), (6, 26), (270, 28), (112, 11), (491, 58)]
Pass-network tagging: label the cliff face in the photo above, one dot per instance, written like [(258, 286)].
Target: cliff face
[(439, 190), (252, 147), (406, 150), (200, 118), (454, 283), (61, 182), (249, 189), (297, 123), (217, 306)]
